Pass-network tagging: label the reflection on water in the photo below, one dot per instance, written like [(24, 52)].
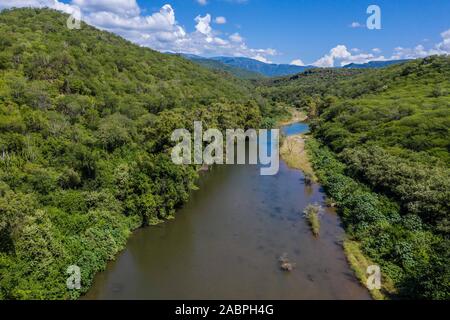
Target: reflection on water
[(226, 243)]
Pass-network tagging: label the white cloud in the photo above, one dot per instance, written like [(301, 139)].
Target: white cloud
[(236, 37), (204, 24), (445, 44), (340, 52), (261, 58), (410, 53), (419, 51), (297, 62), (159, 30), (339, 55), (356, 25), (220, 20), (336, 53), (163, 21), (324, 62), (53, 4), (202, 2)]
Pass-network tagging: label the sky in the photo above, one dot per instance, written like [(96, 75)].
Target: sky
[(303, 32)]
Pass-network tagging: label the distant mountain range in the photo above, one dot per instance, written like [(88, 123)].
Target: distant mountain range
[(373, 64), (247, 68), (242, 73), (266, 69)]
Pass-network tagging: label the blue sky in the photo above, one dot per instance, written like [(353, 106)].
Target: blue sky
[(282, 31), (308, 29)]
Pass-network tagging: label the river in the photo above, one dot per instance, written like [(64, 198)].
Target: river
[(225, 243)]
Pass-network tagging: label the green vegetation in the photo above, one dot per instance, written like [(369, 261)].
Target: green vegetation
[(312, 215), (381, 152), (306, 91), (410, 253), (85, 125), (359, 263), (294, 154)]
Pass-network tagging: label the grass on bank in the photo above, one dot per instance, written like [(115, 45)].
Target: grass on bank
[(359, 263), (295, 155), (312, 215), (333, 182)]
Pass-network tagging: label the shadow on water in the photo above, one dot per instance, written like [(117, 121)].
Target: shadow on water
[(226, 244)]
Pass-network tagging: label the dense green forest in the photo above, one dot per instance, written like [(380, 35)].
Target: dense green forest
[(382, 152), (85, 122)]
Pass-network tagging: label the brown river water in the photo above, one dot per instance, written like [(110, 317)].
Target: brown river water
[(227, 241)]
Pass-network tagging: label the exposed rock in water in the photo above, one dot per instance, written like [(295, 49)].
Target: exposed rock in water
[(285, 264)]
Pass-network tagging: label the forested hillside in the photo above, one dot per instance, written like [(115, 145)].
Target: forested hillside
[(383, 155), (85, 121)]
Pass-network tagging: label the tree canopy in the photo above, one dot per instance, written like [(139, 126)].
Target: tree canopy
[(85, 125)]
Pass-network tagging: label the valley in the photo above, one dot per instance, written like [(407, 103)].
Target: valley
[(87, 180)]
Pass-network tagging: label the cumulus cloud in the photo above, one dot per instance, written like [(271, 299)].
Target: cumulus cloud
[(203, 24), (339, 55), (410, 53), (202, 2), (419, 51), (338, 52), (53, 4), (445, 44), (297, 62), (159, 30), (220, 20)]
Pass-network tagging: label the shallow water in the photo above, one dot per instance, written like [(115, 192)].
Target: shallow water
[(226, 244), (295, 128)]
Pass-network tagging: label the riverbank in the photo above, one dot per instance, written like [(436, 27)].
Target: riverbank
[(231, 233), (359, 264), (294, 151), (351, 197)]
